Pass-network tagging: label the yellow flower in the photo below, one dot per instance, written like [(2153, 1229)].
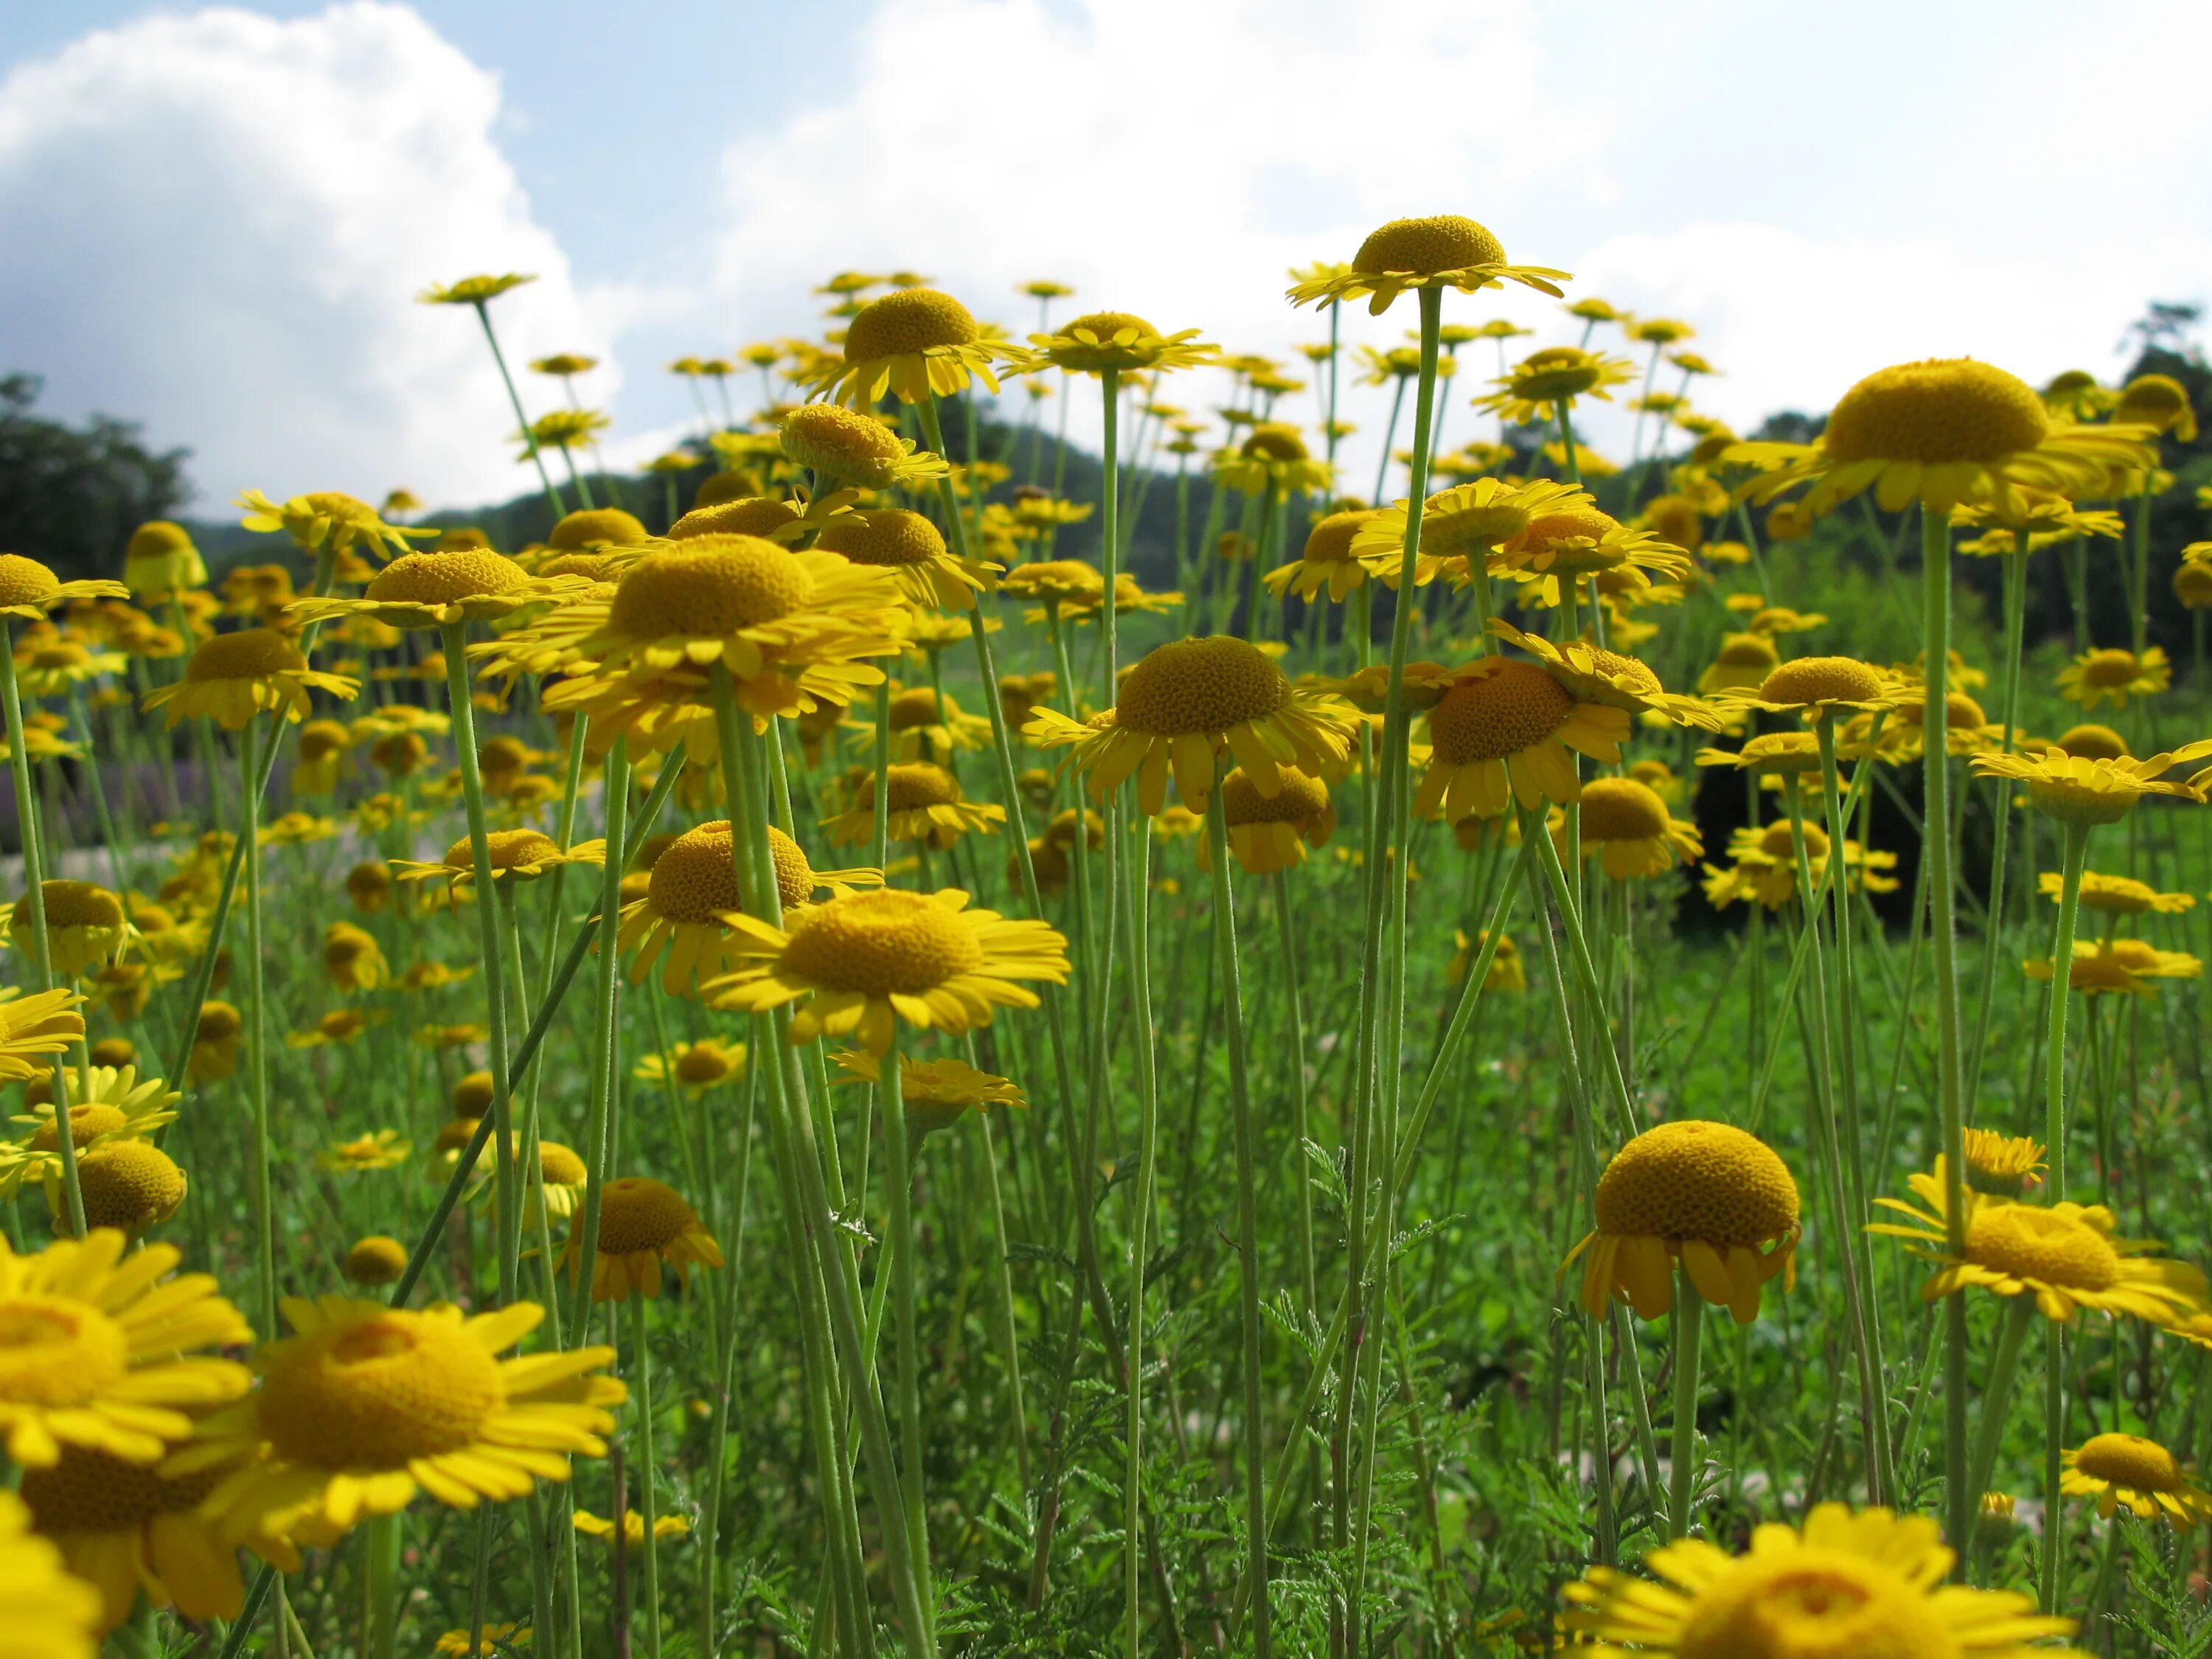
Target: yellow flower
[(127, 1185), (442, 586), (515, 855), (496, 1638), (2112, 676), (85, 925), (365, 1405), (1943, 432), (1507, 970), (383, 1150), (644, 1226), (29, 590), (935, 1094), (123, 1528), (45, 1023), (1816, 687), (2076, 790), (1184, 702), (2067, 1254), (48, 1612), (2159, 402), (233, 676), (1534, 391), (1328, 561), (1447, 251), (375, 1260), (2002, 1165), (1579, 542), (925, 805), (1101, 340), (2117, 896), (1865, 1586), (913, 551), (691, 891), (48, 665), (1273, 458), (1461, 523), (97, 1350), (1502, 732), (912, 344), (161, 560), (1634, 834), (695, 1068), (853, 446), (633, 1527), (1268, 833), (326, 519), (863, 960), (2119, 1469), (1605, 677), (1713, 1196), (214, 1042), (2119, 967), (472, 290)]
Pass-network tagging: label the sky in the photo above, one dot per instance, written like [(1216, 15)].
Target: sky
[(216, 218)]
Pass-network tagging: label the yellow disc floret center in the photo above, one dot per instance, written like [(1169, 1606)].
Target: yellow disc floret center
[(1821, 679), (2030, 1242), (1814, 1604), (55, 1352), (1447, 241), (1692, 1179), (251, 654), (910, 320), (1511, 707), (881, 944), (715, 586), (1190, 687), (2130, 1460), (1622, 809), (447, 578), (638, 1214), (377, 1392), (1943, 410)]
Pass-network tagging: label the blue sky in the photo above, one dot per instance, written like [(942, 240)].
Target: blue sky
[(216, 217)]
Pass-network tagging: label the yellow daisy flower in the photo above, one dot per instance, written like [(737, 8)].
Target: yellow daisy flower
[(2068, 1255), (125, 1528), (48, 1612), (160, 560), (1273, 458), (1268, 833), (365, 1405), (1596, 675), (1712, 1196), (101, 1349), (383, 1150), (233, 676), (1100, 340), (863, 960), (913, 551), (45, 1023), (1328, 561), (515, 855), (327, 518), (1508, 972), (696, 1067), (2076, 790), (1816, 687), (1457, 524), (912, 344), (2112, 676), (1535, 388), (1561, 547), (127, 1185), (1501, 732), (2126, 1469), (925, 805), (2117, 896), (645, 1225), (29, 590), (85, 925), (1633, 833), (633, 1527), (935, 1094), (854, 446), (1184, 702), (1447, 251), (374, 1261), (1943, 432), (1867, 1583)]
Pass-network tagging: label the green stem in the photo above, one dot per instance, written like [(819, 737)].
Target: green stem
[(257, 1058), (1139, 901), (514, 401), (1996, 1398), (647, 1466), (898, 1175), (1689, 1325)]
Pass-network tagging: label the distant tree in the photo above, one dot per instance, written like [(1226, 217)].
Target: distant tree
[(1789, 425), (70, 496), (2167, 325)]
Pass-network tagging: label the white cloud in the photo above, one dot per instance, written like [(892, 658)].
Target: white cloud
[(217, 222)]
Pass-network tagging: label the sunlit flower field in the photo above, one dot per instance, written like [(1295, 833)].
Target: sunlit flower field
[(894, 1036)]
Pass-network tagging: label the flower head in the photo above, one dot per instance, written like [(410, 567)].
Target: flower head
[(231, 677), (1633, 832), (645, 1225), (935, 1094), (913, 343), (2126, 1469), (2075, 790), (1545, 379), (326, 520), (29, 590), (2112, 676), (1501, 732), (1447, 251), (1100, 340)]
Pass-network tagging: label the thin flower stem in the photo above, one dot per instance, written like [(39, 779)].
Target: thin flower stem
[(257, 1057), (514, 400), (641, 1356), (710, 1514), (1993, 931), (607, 1002), (1139, 901), (1961, 1504), (1248, 1231), (1301, 1129), (34, 899), (461, 697), (2074, 856), (1689, 1325), (906, 1353), (1997, 1397)]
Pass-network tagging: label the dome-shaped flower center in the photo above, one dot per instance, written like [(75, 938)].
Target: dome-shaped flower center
[(909, 320), (128, 1184), (696, 876), (596, 526), (638, 1213), (2129, 1460), (1510, 706), (847, 443), (881, 944), (455, 1135), (26, 581), (2192, 584), (920, 707), (559, 1165), (1814, 1604), (1058, 579), (377, 1392), (1777, 841), (2030, 1242), (1192, 687), (701, 1063), (1272, 441), (376, 1260), (1329, 542), (590, 565), (2153, 400), (157, 538), (714, 586), (59, 654), (1455, 530), (1622, 809), (1692, 1179), (506, 848), (219, 1023), (345, 944), (251, 654), (466, 573), (502, 754), (320, 739), (1447, 241), (2094, 743), (1105, 324), (1943, 409), (909, 786), (2109, 669), (57, 1351), (1556, 372), (1675, 520), (1749, 651), (890, 535), (1781, 754), (90, 1491), (2134, 956), (743, 515), (87, 1123), (1821, 679), (73, 904), (1298, 798)]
